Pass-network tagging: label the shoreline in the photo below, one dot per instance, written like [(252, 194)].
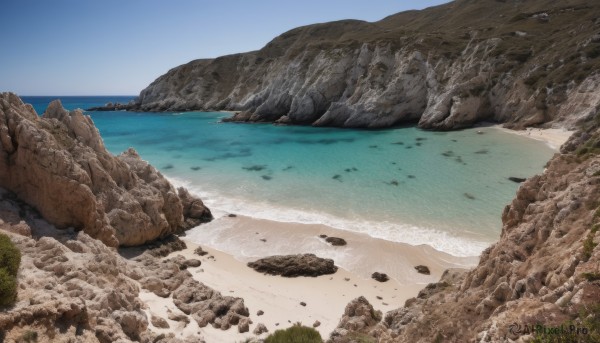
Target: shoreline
[(224, 268), (553, 137)]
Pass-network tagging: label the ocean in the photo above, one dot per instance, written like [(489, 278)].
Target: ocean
[(444, 189)]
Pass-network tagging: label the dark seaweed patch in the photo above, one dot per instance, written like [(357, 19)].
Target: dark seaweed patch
[(448, 153), (398, 143), (168, 166), (469, 196), (195, 168), (418, 143), (420, 139), (373, 146), (337, 177), (409, 147), (482, 151), (393, 183), (410, 176), (287, 168), (256, 167), (228, 155), (266, 177)]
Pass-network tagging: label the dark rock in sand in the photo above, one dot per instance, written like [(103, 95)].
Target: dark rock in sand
[(294, 265), (316, 324), (323, 236), (263, 240), (381, 277), (302, 303), (199, 251), (423, 269), (517, 179), (260, 313), (231, 215), (335, 241)]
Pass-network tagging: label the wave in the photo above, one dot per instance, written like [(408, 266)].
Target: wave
[(396, 232)]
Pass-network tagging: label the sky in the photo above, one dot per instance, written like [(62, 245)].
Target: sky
[(118, 47)]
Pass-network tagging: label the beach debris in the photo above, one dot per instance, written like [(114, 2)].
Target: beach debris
[(316, 324), (516, 179), (381, 277), (335, 241), (423, 269), (260, 329), (199, 251), (469, 196), (256, 167), (294, 265), (479, 132)]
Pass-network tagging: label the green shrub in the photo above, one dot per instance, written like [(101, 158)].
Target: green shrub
[(295, 334), (30, 336), (588, 318), (8, 288), (10, 256)]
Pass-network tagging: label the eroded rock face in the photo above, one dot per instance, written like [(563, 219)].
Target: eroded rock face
[(544, 268), (58, 164), (74, 288), (442, 71), (294, 265)]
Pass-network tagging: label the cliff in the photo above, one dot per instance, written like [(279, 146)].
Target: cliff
[(58, 164), (516, 62), (544, 270)]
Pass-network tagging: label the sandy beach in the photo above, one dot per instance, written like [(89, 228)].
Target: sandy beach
[(554, 138), (326, 297)]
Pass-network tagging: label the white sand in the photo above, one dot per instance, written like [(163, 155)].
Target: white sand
[(326, 296), (554, 138)]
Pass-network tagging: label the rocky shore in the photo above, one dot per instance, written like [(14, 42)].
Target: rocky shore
[(444, 67)]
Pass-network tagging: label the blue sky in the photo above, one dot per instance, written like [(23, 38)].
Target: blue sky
[(111, 47)]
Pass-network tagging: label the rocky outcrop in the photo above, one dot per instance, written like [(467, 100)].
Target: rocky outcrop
[(58, 164), (445, 67), (74, 288), (543, 270), (294, 265)]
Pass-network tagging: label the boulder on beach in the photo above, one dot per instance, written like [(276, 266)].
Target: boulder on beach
[(381, 277), (423, 269), (294, 265), (336, 241)]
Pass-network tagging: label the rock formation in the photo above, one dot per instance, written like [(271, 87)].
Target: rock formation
[(445, 67), (58, 164), (294, 265), (543, 270), (74, 288)]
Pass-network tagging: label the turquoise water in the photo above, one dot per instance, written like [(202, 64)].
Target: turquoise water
[(445, 189)]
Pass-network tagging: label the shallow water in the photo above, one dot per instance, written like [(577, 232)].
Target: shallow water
[(445, 189)]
